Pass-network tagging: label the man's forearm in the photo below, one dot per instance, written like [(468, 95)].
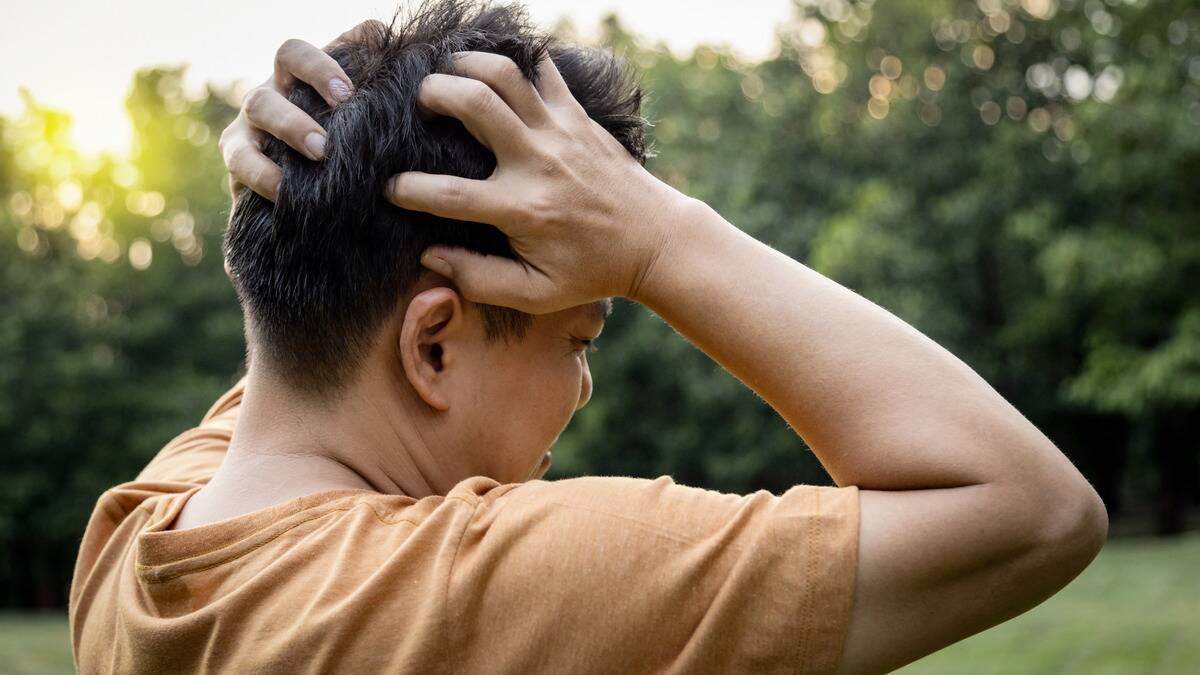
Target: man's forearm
[(881, 405)]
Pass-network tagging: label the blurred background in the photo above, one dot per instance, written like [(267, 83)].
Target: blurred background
[(1016, 178)]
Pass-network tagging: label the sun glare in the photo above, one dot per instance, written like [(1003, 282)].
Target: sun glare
[(99, 129), (97, 125)]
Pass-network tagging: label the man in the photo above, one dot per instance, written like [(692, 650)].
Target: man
[(367, 499)]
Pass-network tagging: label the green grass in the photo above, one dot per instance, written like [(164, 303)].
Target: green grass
[(1135, 610), (35, 643)]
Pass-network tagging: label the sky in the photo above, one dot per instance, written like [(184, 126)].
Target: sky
[(80, 56)]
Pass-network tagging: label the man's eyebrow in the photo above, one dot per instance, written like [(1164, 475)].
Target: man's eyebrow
[(601, 309)]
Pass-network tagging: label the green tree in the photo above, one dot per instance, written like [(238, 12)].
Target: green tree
[(118, 327), (1016, 179)]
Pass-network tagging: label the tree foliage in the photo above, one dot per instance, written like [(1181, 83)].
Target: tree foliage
[(1015, 179)]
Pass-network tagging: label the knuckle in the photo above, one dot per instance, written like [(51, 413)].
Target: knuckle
[(550, 165), (507, 71), (259, 178), (237, 158), (226, 138), (255, 101), (575, 119), (372, 28), (510, 211), (289, 46), (451, 195), (522, 211), (562, 132), (539, 211), (479, 95)]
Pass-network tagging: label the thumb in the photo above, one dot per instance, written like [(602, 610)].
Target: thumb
[(491, 279)]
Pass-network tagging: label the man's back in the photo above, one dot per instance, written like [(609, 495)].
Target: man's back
[(582, 575)]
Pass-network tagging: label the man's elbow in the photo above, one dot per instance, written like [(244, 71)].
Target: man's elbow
[(1075, 527)]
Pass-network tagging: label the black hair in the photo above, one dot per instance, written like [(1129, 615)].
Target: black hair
[(319, 271)]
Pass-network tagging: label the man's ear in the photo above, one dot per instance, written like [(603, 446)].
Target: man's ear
[(429, 342)]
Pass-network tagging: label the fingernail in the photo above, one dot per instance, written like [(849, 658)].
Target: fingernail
[(339, 89), (316, 145), (437, 264)]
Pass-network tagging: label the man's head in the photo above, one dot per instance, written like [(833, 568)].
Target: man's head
[(330, 277)]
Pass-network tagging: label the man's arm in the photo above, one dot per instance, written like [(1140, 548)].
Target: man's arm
[(969, 515)]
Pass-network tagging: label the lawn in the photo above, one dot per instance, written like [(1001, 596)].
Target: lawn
[(1135, 610), (35, 643)]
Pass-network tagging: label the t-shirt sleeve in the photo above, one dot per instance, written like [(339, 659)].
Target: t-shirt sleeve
[(194, 455), (633, 575)]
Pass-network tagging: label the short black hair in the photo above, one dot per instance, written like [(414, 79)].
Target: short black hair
[(318, 271)]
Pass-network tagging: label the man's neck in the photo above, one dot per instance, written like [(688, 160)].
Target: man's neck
[(284, 446)]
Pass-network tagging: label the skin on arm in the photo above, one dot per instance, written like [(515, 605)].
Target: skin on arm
[(969, 515)]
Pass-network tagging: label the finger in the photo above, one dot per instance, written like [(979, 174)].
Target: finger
[(268, 110), (507, 80), (550, 83), (477, 201), (249, 166), (477, 106), (367, 31), (235, 188), (492, 280), (298, 60)]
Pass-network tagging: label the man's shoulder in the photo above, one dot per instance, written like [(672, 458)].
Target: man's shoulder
[(583, 490), (116, 504), (600, 503), (120, 513)]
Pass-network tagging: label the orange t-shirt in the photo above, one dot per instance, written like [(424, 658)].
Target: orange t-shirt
[(586, 575)]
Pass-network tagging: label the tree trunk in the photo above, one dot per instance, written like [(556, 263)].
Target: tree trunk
[(1175, 457)]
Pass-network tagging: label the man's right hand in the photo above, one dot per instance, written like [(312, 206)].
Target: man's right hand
[(585, 219)]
